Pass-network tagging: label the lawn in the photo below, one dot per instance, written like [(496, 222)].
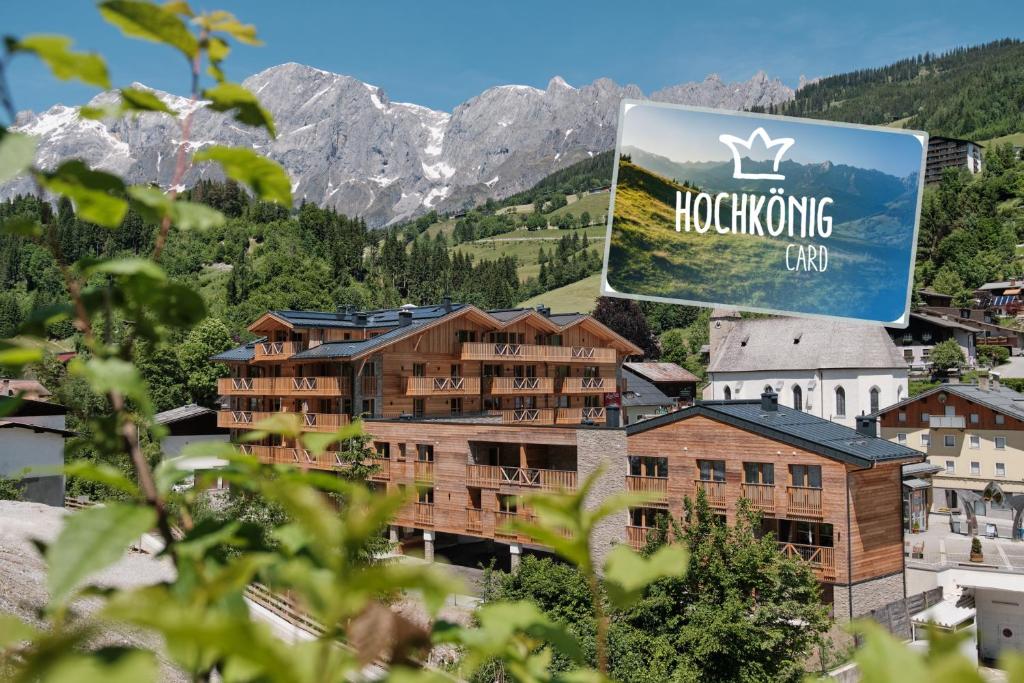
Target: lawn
[(579, 297), (595, 204), (525, 245)]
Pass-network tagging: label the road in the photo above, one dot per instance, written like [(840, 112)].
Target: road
[(1012, 368)]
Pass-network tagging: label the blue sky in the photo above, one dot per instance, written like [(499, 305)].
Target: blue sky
[(686, 136), (439, 54)]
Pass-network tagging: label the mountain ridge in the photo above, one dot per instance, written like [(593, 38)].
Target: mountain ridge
[(346, 145)]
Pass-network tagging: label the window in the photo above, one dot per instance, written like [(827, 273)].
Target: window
[(926, 440), (1000, 419), (807, 476), (711, 470), (901, 416), (648, 466), (419, 369), (507, 503), (974, 418), (425, 495), (1000, 443), (1000, 469), (949, 441), (758, 473), (456, 406), (383, 449), (950, 467), (798, 397), (467, 336), (840, 402), (417, 407), (728, 394), (874, 399), (908, 355), (975, 441), (975, 468), (901, 438), (425, 452), (925, 417)]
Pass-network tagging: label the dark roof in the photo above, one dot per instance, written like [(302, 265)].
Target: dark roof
[(662, 372), (180, 413), (942, 321), (9, 423), (30, 407), (385, 317), (795, 427), (244, 352), (1001, 398), (640, 392), (344, 349), (916, 469)]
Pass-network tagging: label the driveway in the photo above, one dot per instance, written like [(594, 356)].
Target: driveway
[(1012, 368)]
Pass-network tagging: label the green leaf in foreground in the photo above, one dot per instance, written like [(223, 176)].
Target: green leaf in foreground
[(154, 206), (231, 96), (267, 179), (98, 196), (135, 99), (91, 540), (150, 22), (627, 573), (17, 151), (55, 52)]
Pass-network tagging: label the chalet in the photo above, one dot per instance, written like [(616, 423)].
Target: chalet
[(946, 153), (831, 369), (32, 435), (1003, 296), (924, 330), (672, 380), (641, 399), (189, 424), (475, 410), (973, 432), (26, 388)]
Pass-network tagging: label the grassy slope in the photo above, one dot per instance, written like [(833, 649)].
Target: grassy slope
[(595, 204), (579, 297), (525, 245)]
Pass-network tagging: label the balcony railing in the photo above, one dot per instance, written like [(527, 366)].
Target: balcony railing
[(529, 415), (300, 457), (277, 350), (820, 558), (309, 422), (655, 487), (283, 386), (946, 422), (521, 386), (424, 470), (383, 471), (803, 500), (474, 519), (534, 353), (501, 522), (576, 416), (637, 536), (496, 476), (762, 496), (424, 514), (442, 386), (588, 385), (714, 491)]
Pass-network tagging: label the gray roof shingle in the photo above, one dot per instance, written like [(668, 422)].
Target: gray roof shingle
[(181, 413), (803, 343), (640, 392), (1000, 398), (794, 427)]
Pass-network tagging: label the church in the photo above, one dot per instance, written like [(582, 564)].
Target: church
[(829, 368)]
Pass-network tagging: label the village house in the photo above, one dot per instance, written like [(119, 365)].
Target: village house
[(471, 411), (32, 435), (924, 330), (672, 380), (946, 153), (973, 432), (831, 369), (641, 399)]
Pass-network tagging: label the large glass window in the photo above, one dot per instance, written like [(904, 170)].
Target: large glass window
[(758, 473), (808, 476), (711, 470), (648, 466)]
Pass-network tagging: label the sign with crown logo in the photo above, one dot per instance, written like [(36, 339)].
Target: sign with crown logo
[(764, 213)]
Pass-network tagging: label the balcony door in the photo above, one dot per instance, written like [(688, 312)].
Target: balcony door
[(805, 476)]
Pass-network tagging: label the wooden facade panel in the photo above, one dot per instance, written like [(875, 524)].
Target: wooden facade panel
[(876, 526)]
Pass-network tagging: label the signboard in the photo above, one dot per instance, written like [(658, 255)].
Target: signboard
[(764, 213), (612, 399)]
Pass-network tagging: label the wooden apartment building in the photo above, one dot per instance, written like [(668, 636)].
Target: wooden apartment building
[(472, 411)]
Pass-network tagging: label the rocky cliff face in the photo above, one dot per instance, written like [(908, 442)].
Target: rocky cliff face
[(347, 146)]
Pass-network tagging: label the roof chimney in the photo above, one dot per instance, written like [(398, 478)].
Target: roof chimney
[(867, 425), (995, 380), (983, 381), (447, 303), (404, 318), (360, 318), (770, 402), (544, 310)]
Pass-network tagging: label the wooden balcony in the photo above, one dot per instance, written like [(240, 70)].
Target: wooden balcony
[(474, 519), (423, 470), (496, 476), (636, 536), (502, 520), (283, 386), (656, 488), (300, 457), (804, 501), (588, 385), (424, 514), (577, 416), (713, 490), (543, 416), (277, 350), (310, 422), (530, 353), (821, 559), (762, 496), (442, 386), (520, 386), (383, 472)]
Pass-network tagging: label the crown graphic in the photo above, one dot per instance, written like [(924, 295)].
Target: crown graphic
[(734, 143)]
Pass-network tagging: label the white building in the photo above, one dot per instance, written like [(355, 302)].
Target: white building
[(32, 449), (187, 425), (835, 370)]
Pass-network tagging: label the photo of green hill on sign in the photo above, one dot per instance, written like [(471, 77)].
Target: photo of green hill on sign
[(764, 213)]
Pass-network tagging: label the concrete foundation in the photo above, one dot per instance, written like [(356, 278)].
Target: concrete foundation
[(515, 553), (428, 546)]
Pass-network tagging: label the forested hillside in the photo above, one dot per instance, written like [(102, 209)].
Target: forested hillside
[(969, 92)]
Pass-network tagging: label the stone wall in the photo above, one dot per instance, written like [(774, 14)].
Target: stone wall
[(867, 596), (607, 447)]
